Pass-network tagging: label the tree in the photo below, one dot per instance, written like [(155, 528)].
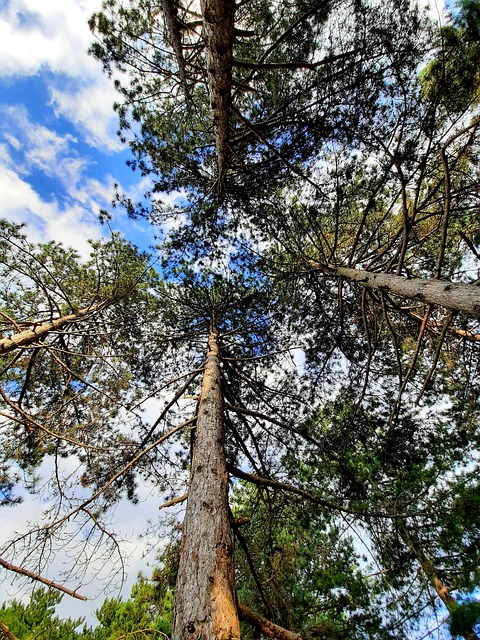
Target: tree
[(306, 161), (37, 619), (298, 566), (147, 613), (65, 367), (226, 124)]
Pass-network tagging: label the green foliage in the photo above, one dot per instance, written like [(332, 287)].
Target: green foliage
[(37, 619), (452, 78), (146, 614), (464, 618), (339, 155), (302, 571)]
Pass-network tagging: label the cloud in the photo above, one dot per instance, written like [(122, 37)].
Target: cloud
[(32, 152), (88, 106), (57, 34), (128, 522), (73, 225), (54, 36)]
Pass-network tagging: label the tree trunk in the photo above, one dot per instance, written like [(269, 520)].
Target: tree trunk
[(430, 573), (451, 295), (218, 28), (5, 633), (205, 602), (41, 329), (170, 16)]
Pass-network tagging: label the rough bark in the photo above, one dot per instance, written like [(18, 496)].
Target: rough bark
[(265, 627), (205, 603), (41, 329), (218, 30), (451, 295)]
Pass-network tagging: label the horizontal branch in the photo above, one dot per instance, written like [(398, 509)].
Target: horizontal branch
[(25, 338), (285, 425), (275, 484), (39, 578), (170, 503), (282, 486), (269, 66), (451, 295), (255, 414), (268, 629)]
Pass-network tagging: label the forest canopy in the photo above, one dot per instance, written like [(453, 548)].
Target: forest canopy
[(305, 327)]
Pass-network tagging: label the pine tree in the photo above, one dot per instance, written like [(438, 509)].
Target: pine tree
[(326, 191)]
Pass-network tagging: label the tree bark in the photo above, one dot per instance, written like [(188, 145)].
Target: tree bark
[(205, 602), (5, 633), (451, 295), (41, 329), (218, 28), (265, 627), (170, 15)]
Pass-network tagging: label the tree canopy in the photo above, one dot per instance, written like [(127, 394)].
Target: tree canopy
[(306, 330)]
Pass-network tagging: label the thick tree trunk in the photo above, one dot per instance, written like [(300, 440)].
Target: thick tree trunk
[(41, 329), (218, 28), (205, 602), (451, 295), (170, 16)]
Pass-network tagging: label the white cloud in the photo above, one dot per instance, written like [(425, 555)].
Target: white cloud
[(54, 35), (57, 34), (89, 107), (70, 212), (72, 225), (70, 216), (127, 521)]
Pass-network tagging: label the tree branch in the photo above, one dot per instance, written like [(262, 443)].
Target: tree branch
[(39, 578), (267, 629), (25, 338), (170, 503), (259, 66)]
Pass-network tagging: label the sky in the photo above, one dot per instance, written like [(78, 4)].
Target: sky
[(59, 159), (59, 152)]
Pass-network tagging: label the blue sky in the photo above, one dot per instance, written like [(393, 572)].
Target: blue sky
[(59, 152)]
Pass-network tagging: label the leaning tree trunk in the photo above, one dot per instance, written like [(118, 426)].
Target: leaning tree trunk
[(205, 603), (431, 574), (451, 295)]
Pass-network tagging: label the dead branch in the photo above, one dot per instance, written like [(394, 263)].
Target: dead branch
[(39, 578), (170, 503)]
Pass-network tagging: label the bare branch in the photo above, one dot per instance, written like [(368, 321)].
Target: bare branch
[(39, 578), (170, 503)]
